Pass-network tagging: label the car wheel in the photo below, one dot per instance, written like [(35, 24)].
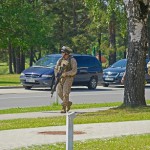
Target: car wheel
[(105, 85), (92, 84), (27, 87)]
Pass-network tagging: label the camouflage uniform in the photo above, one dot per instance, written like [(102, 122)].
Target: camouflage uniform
[(64, 86), (148, 67)]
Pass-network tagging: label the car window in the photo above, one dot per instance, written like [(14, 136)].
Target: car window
[(94, 62), (81, 61), (119, 64), (47, 61), (84, 61)]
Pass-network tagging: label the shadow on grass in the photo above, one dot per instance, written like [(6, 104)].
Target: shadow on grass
[(133, 109), (117, 110)]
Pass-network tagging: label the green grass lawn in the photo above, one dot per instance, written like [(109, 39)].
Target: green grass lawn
[(10, 80), (132, 142), (3, 68), (58, 107), (7, 79), (110, 115)]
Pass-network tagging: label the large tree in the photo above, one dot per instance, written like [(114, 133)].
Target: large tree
[(137, 14)]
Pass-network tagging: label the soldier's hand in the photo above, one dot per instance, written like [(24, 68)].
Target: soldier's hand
[(122, 80), (64, 75), (64, 63)]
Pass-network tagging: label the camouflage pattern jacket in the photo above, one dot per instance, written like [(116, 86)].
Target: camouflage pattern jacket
[(70, 66)]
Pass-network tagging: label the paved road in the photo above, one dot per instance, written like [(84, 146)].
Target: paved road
[(10, 98)]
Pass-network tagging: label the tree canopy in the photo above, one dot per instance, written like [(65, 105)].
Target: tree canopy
[(32, 28)]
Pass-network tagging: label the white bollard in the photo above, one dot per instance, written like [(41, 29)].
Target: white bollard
[(69, 130), (56, 97)]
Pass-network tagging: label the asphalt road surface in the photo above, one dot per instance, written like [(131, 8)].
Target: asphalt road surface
[(19, 97)]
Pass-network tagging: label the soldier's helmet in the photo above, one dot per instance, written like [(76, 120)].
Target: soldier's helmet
[(66, 49)]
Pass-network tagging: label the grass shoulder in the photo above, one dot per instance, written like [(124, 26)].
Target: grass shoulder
[(58, 107), (132, 142), (110, 115), (10, 80)]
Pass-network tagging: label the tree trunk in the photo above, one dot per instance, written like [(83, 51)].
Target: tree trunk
[(18, 60), (22, 61), (149, 36), (112, 40), (31, 56), (134, 93), (10, 57), (99, 47), (74, 18), (14, 59)]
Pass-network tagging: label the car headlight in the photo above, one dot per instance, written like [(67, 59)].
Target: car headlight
[(121, 74), (47, 75), (22, 74)]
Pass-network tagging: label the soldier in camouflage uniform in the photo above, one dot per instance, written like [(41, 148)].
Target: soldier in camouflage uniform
[(64, 86), (148, 67)]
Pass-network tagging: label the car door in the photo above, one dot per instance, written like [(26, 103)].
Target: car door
[(82, 75), (95, 69)]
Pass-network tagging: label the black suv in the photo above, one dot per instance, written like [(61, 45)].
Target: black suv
[(114, 73), (41, 74)]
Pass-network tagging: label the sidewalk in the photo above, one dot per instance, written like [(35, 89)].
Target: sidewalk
[(46, 113), (10, 139)]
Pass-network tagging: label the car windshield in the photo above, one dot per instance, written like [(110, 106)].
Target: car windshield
[(119, 64), (47, 61)]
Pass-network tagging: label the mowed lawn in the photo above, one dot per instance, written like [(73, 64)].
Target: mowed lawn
[(10, 80)]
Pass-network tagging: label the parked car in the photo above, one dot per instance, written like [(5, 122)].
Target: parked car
[(114, 73), (41, 74)]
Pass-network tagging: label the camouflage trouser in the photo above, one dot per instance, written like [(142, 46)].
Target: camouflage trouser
[(149, 70), (64, 88)]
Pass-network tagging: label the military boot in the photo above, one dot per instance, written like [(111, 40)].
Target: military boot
[(63, 108), (68, 106)]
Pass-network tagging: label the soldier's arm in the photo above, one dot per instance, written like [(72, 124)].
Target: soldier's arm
[(148, 67), (56, 70), (123, 78), (73, 71)]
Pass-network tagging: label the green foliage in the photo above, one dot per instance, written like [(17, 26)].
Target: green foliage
[(44, 26), (24, 24), (101, 13), (3, 68)]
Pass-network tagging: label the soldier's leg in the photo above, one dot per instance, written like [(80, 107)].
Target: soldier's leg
[(60, 91), (60, 94), (66, 91)]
